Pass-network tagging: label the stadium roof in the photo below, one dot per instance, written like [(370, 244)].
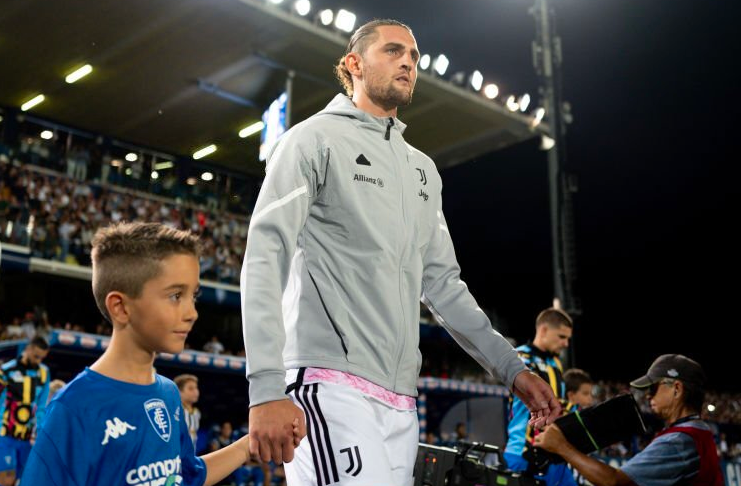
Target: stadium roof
[(176, 75)]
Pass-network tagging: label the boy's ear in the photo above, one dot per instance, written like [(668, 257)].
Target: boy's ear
[(115, 304)]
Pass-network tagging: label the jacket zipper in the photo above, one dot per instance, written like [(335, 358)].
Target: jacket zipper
[(403, 339), (388, 129)]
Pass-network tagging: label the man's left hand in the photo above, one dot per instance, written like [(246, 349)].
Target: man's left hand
[(538, 397)]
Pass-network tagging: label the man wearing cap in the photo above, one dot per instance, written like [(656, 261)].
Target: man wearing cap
[(683, 453)]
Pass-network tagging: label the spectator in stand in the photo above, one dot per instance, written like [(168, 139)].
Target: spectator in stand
[(24, 389), (553, 330), (214, 346), (54, 388), (189, 393), (578, 389)]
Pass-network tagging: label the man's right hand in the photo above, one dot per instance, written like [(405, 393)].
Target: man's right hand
[(272, 435)]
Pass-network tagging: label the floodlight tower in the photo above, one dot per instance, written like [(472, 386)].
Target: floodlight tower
[(547, 59)]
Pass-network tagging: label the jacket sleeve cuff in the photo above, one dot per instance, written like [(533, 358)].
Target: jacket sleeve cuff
[(267, 387), (511, 366)]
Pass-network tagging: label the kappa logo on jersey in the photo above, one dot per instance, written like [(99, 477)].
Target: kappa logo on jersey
[(159, 417), (160, 473), (356, 464), (115, 428)]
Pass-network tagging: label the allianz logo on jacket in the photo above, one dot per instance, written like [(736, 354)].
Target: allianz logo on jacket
[(371, 180), (115, 428)]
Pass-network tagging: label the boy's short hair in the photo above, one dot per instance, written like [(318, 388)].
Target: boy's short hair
[(182, 380), (574, 378), (127, 255), (554, 318)]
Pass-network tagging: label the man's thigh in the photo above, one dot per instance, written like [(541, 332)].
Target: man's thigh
[(352, 440)]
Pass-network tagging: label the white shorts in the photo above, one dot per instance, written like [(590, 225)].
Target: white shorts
[(353, 438)]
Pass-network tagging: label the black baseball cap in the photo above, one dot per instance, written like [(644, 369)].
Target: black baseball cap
[(674, 366)]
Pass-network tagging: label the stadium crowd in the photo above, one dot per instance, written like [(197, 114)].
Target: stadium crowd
[(56, 217)]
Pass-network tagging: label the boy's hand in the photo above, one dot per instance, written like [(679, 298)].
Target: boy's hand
[(296, 433)]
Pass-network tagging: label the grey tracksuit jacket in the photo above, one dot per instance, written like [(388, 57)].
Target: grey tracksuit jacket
[(347, 235)]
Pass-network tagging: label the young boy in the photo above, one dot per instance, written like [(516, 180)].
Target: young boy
[(189, 393), (578, 389), (118, 422)]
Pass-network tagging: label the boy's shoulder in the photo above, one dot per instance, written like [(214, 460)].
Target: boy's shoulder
[(90, 389)]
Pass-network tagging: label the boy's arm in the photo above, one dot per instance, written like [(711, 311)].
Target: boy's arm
[(221, 463)]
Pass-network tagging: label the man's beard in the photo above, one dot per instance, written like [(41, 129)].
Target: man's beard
[(388, 96)]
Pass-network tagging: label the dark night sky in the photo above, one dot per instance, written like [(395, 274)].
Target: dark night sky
[(650, 87)]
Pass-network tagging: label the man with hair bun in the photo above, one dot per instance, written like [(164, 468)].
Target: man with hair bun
[(347, 234)]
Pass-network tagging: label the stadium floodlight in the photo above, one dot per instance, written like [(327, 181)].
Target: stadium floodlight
[(476, 80), (424, 62), (202, 152), (47, 135), (491, 91), (207, 176), (546, 142), (155, 175), (32, 102), (524, 102), (191, 181), (131, 157), (326, 16), (538, 117), (441, 64), (164, 165), (79, 74), (302, 7), (711, 407), (128, 171), (251, 129), (511, 103), (345, 20), (458, 78)]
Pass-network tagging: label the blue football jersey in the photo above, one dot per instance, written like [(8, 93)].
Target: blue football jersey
[(103, 431)]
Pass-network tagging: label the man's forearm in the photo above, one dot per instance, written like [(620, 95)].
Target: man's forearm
[(595, 471)]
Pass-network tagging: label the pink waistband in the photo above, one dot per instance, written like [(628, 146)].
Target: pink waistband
[(401, 402)]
